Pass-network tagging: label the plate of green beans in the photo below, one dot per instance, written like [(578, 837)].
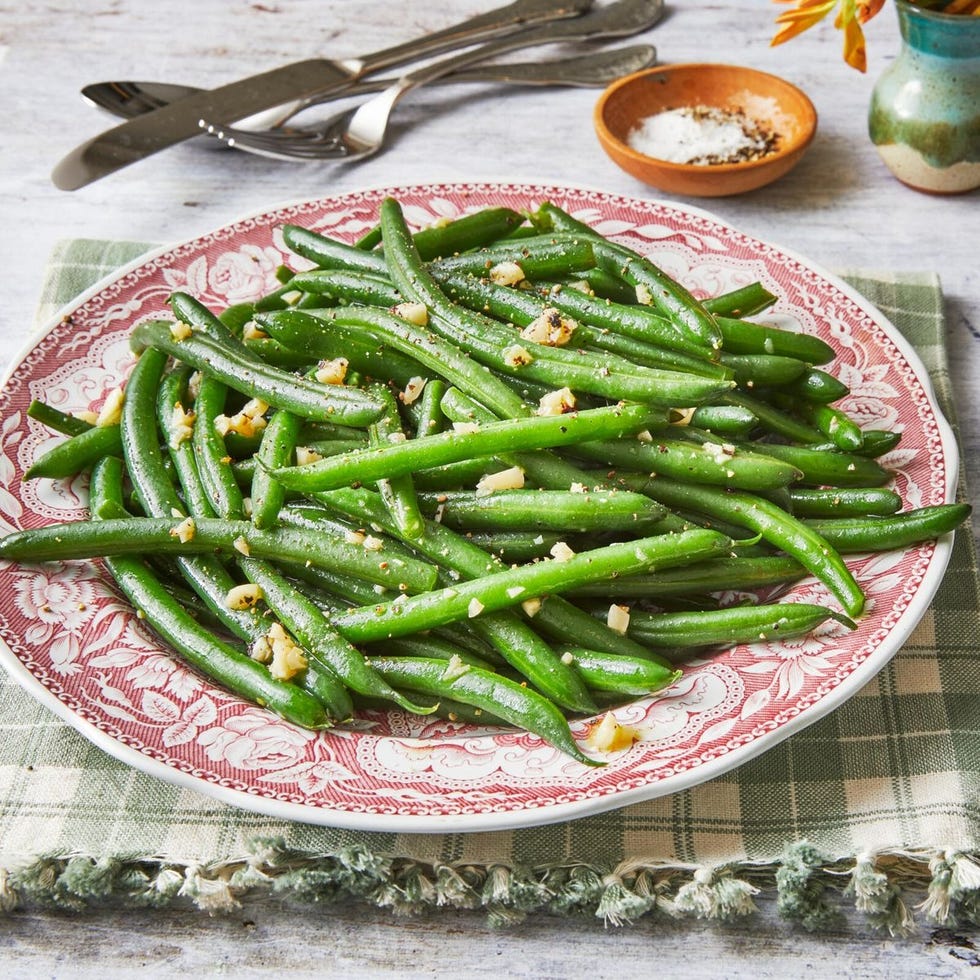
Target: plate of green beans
[(464, 505)]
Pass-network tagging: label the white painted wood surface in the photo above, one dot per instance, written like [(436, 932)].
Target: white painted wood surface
[(840, 207)]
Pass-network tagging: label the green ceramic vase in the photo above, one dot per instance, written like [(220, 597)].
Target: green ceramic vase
[(925, 108)]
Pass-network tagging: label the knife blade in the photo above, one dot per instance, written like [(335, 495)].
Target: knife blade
[(145, 135)]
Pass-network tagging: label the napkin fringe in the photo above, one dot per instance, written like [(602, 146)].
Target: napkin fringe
[(894, 890)]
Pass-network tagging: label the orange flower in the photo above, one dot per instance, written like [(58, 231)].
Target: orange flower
[(850, 16)]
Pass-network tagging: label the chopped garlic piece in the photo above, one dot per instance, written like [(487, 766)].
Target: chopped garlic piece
[(305, 456), (455, 667), (567, 658), (517, 356), (184, 531), (396, 437), (412, 390), (252, 331), (287, 658), (462, 428), (261, 650), (371, 543), (247, 422), (332, 372), (682, 416), (245, 596), (474, 608), (181, 425), (643, 296), (509, 479), (556, 402), (180, 330), (644, 436), (506, 274), (618, 619), (514, 591), (87, 416), (111, 411), (609, 735), (354, 537), (531, 607), (561, 552), (241, 544), (578, 488), (550, 328), (417, 313)]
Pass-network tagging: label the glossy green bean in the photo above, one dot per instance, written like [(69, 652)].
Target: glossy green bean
[(499, 696), (538, 432), (620, 675), (513, 586), (242, 371), (843, 501), (76, 453), (858, 534)]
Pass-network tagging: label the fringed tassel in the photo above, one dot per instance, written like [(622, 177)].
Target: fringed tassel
[(9, 899), (801, 894), (210, 894), (715, 893), (879, 898), (620, 902), (954, 890)]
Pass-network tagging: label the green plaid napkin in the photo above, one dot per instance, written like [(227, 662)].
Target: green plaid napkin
[(876, 804)]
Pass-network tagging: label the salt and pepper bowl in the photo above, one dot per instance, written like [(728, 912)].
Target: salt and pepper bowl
[(770, 102)]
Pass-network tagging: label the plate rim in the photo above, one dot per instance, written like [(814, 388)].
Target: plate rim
[(526, 816)]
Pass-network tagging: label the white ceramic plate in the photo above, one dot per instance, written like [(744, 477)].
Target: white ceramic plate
[(81, 651)]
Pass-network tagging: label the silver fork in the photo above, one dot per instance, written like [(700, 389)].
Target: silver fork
[(360, 131)]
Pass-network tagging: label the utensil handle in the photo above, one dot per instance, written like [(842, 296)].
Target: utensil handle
[(518, 14)]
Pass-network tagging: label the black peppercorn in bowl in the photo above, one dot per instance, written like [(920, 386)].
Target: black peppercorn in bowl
[(705, 130)]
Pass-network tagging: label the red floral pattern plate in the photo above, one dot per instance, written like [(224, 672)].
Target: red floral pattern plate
[(79, 649)]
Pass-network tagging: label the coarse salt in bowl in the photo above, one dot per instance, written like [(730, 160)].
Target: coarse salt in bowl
[(705, 130)]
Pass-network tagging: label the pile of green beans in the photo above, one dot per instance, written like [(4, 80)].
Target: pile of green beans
[(420, 467)]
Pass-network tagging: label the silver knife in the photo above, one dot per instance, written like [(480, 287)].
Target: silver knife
[(148, 134)]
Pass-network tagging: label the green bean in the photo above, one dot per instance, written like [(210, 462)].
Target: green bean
[(601, 284), (771, 522), (731, 421), (467, 232), (763, 370), (817, 386), (858, 534), (160, 535), (516, 546), (837, 426), (53, 418), (746, 337), (538, 257), (228, 666), (75, 454), (512, 586), (737, 624), (240, 370), (327, 252), (213, 462), (774, 419), (427, 410), (711, 463), (744, 301), (843, 501), (539, 432), (501, 697), (397, 492), (196, 315), (561, 510), (717, 575), (876, 442), (819, 466), (276, 449), (621, 675)]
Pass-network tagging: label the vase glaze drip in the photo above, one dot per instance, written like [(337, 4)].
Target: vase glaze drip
[(925, 109)]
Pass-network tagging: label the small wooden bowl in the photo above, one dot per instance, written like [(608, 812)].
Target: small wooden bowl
[(768, 100)]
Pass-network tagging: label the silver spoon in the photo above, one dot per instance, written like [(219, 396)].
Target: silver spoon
[(126, 99)]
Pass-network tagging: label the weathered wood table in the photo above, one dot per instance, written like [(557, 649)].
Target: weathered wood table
[(839, 208)]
